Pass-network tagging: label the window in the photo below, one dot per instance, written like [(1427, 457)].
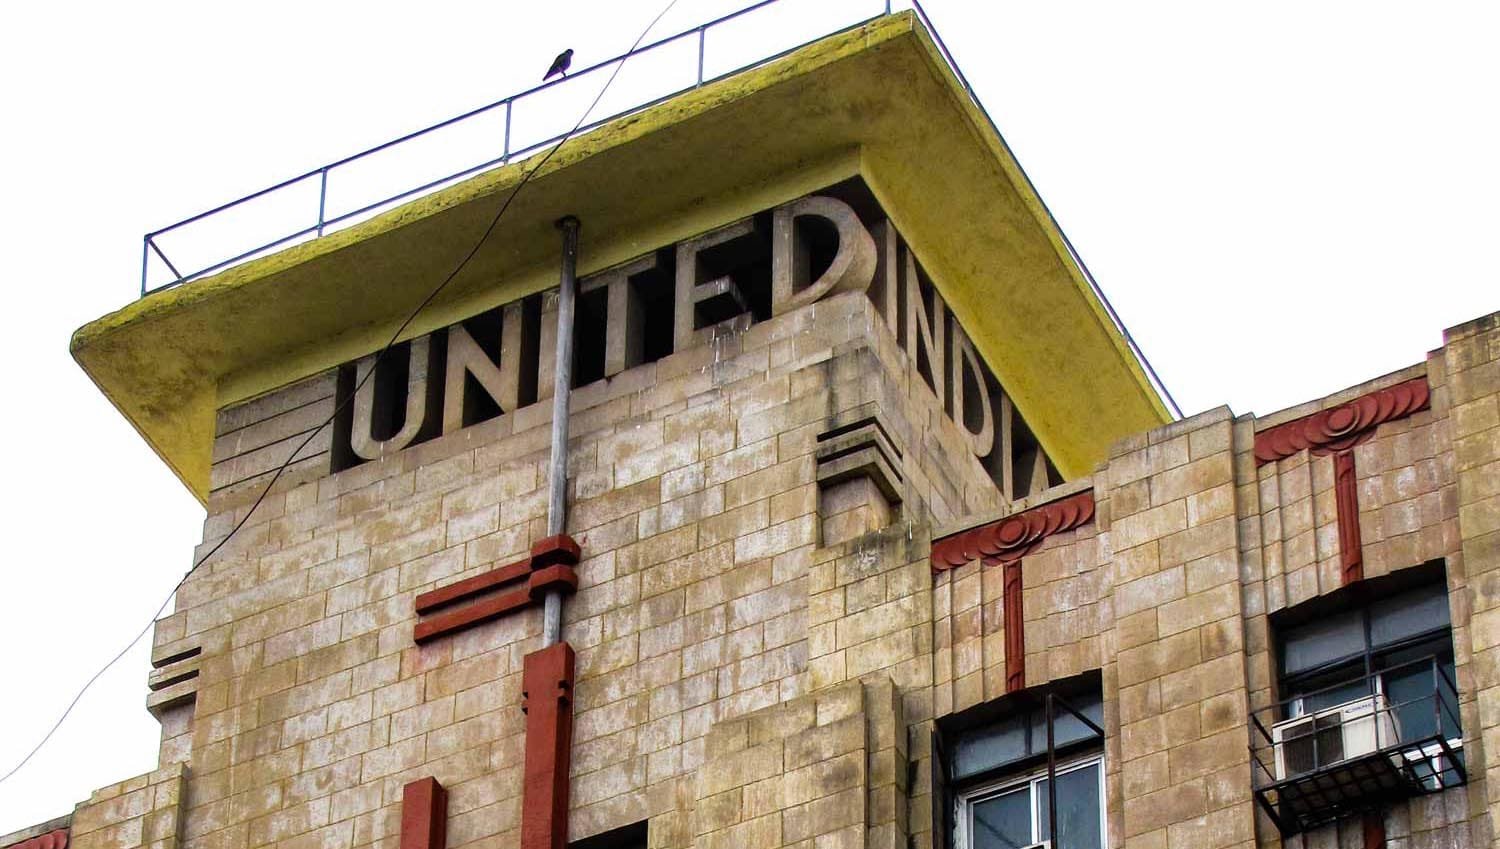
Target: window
[(995, 766), (1014, 814), (1369, 714), (632, 836), (1395, 646)]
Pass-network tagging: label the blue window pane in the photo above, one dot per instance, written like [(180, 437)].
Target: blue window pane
[(988, 747), (1002, 822), (1449, 698), (1323, 641), (1415, 701), (1078, 803), (1409, 614), (1067, 728)]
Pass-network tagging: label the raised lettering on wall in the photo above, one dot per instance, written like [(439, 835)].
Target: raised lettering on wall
[(693, 296), (925, 332), (852, 268), (624, 335), (718, 282), (361, 437), (971, 398)]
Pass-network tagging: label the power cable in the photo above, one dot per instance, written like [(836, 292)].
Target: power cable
[(488, 231)]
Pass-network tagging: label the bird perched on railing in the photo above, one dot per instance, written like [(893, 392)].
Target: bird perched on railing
[(560, 65)]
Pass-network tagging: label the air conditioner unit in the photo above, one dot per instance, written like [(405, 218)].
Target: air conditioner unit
[(1345, 731)]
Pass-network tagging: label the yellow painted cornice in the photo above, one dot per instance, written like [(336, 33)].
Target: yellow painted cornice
[(876, 101)]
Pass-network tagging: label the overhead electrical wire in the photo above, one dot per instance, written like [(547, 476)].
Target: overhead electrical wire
[(395, 337)]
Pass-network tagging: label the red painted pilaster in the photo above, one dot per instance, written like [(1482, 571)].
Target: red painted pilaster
[(1346, 496), (424, 815), (1374, 826), (1003, 543), (1013, 537), (477, 600), (1336, 431), (56, 839), (547, 699), (1015, 629)]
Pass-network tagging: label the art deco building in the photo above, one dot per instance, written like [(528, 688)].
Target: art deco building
[(873, 530)]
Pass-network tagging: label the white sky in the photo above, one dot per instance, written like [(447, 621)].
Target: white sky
[(1280, 199)]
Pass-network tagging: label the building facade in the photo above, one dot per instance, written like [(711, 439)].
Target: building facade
[(875, 532)]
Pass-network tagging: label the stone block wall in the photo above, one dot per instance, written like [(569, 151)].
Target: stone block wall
[(826, 770), (1408, 517), (765, 638), (1405, 491), (1471, 360), (253, 438), (144, 812), (1179, 664), (1147, 593), (693, 493)]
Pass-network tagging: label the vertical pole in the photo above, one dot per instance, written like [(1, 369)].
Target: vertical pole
[(1052, 776), (322, 197), (561, 390), (145, 259), (1437, 699), (505, 151), (702, 33)]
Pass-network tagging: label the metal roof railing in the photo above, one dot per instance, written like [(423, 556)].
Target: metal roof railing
[(320, 215), (312, 188)]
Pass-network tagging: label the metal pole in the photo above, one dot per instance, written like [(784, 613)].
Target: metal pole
[(1437, 700), (505, 151), (145, 261), (562, 384), (322, 198), (1051, 778), (702, 33)]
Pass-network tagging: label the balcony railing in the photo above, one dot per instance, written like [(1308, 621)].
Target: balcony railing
[(1316, 765)]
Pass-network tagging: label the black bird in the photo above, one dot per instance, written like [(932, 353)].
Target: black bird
[(560, 65)]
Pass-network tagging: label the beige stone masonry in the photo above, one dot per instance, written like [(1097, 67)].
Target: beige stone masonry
[(693, 493), (761, 659), (254, 437), (1176, 647), (1408, 501), (823, 770), (1472, 361), (142, 813)]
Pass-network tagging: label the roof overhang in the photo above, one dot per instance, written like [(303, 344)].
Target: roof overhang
[(877, 101)]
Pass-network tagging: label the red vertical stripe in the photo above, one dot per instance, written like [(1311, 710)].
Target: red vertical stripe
[(1015, 629), (1374, 830), (424, 815), (547, 698), (1346, 494)]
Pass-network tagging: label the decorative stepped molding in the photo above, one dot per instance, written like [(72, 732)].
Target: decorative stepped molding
[(474, 600), (1343, 427), (173, 680), (1004, 542), (55, 839), (861, 448), (1009, 539)]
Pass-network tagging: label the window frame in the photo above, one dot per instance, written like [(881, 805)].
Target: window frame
[(1370, 663), (965, 799)]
